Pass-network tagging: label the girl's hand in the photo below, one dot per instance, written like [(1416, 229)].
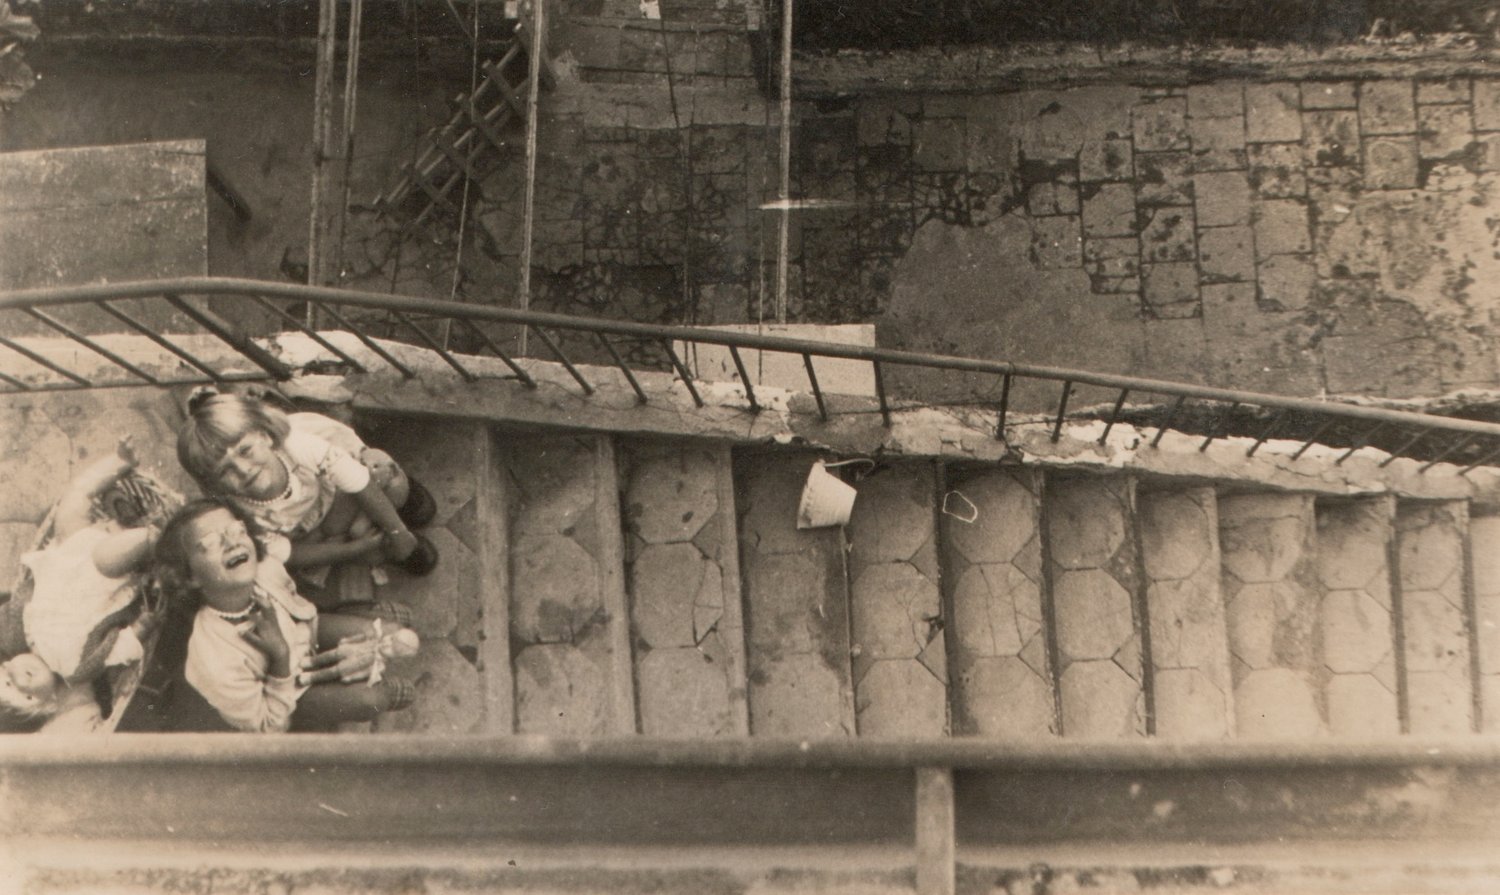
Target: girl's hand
[(266, 636), (399, 544)]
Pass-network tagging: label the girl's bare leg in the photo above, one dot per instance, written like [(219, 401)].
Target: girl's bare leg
[(333, 627), (336, 703), (75, 507)]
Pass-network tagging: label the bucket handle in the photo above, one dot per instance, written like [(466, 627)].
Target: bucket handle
[(847, 462)]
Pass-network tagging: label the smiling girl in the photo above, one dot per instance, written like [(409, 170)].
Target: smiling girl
[(254, 638)]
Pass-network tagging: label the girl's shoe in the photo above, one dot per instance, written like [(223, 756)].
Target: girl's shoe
[(420, 507), (422, 560)]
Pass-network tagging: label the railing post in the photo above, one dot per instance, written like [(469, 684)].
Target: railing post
[(936, 852)]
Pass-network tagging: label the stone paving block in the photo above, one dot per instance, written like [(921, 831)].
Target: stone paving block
[(1002, 680), (1430, 555), (1168, 236), (1331, 139), (560, 691), (1095, 575), (1218, 99), (670, 495), (1361, 706), (1484, 551), (556, 491), (1189, 640), (1160, 124), (1223, 198), (1109, 211), (554, 594), (1276, 170), (1286, 282), (1218, 143), (1448, 90), (1328, 94), (1355, 616), (1105, 160), (1487, 104), (938, 144), (668, 583), (1444, 131), (1271, 113), (1391, 163), (1226, 253), (683, 693), (901, 697), (1170, 291), (1164, 178), (1051, 198), (1281, 228), (449, 700), (1387, 107), (796, 605), (1056, 243), (1270, 588), (1487, 152)]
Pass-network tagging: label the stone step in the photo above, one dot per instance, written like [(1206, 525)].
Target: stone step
[(1431, 540), (796, 604), (1484, 552), (682, 576), (899, 659), (1095, 583), (1355, 618)]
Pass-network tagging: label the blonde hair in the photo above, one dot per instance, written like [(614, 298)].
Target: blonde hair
[(215, 423)]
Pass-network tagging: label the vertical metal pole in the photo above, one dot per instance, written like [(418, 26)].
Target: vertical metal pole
[(351, 95), (322, 125), (784, 193), (538, 46), (936, 853)]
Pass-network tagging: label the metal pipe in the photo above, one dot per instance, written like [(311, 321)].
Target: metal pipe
[(682, 373), (812, 378), (515, 368), (1456, 446), (1403, 448), (159, 339), (1114, 415), (311, 334), (232, 337), (1171, 418), (1312, 439), (90, 344), (1004, 406), (640, 393), (885, 407), (1266, 433), (739, 366), (557, 352), (1062, 408), (1364, 440), (365, 340), (38, 359), (433, 344)]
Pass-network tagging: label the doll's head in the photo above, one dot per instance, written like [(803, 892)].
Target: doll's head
[(28, 693), (229, 443), (207, 545)]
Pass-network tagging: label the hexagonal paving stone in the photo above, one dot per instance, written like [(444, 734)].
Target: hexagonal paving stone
[(451, 590), (1435, 633), (996, 610), (898, 697), (786, 592), (682, 693), (1263, 539), (1188, 628), (1086, 523), (555, 481), (1177, 534), (1251, 620), (1439, 704), (1430, 549), (890, 607), (1099, 700), (666, 582), (1276, 702), (554, 588), (1356, 631), (1003, 697), (1190, 707), (1358, 706), (1352, 541), (446, 467), (1005, 523), (669, 498), (449, 698), (772, 488), (893, 516), (797, 696), (1093, 612), (560, 691)]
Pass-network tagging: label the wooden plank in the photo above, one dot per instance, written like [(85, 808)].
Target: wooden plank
[(936, 841), (610, 562), (492, 505)]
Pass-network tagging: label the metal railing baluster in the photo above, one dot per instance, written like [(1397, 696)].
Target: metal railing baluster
[(221, 328), (1480, 462), (1004, 406), (682, 373), (739, 366), (1114, 415), (1364, 440), (20, 386), (1395, 455), (1062, 408), (310, 333), (365, 340), (812, 378), (432, 343), (1266, 433), (640, 393), (557, 352), (885, 407), (1171, 418), (515, 368), (1312, 439), (38, 359), (1456, 446), (1220, 427), (90, 344), (161, 340)]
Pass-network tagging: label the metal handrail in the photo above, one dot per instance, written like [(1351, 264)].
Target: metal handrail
[(1485, 436)]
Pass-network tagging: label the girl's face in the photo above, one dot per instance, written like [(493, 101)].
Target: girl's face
[(221, 559), (250, 468), (26, 682)]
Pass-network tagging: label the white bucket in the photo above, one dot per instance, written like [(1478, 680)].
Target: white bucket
[(826, 499)]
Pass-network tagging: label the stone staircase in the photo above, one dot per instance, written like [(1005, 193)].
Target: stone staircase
[(597, 585)]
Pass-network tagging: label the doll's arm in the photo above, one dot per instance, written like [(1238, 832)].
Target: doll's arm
[(397, 540)]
